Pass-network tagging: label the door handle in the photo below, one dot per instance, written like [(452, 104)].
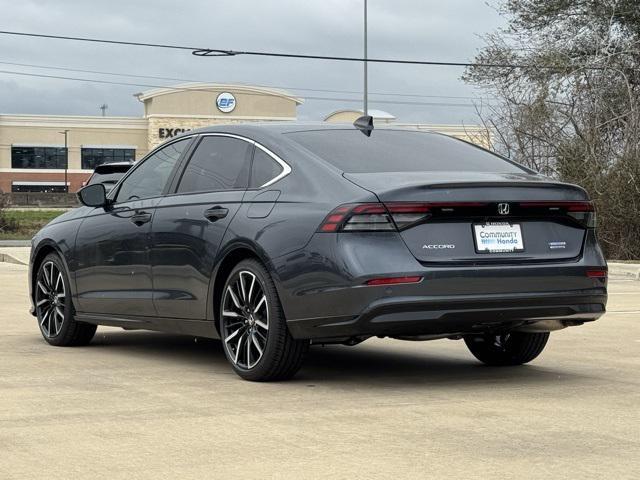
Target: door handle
[(216, 213), (140, 218)]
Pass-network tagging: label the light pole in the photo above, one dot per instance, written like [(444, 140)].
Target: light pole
[(366, 106), (66, 160)]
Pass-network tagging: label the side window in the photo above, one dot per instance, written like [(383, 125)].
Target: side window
[(264, 168), (219, 163), (150, 178)]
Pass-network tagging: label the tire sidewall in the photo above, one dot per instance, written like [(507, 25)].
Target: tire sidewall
[(276, 320), (522, 348)]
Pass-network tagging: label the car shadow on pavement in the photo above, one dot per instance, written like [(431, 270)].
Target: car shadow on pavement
[(377, 366), (366, 364), (168, 347)]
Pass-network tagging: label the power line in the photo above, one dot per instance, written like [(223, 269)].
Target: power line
[(156, 77), (395, 102), (98, 72), (208, 52), (99, 40), (196, 89)]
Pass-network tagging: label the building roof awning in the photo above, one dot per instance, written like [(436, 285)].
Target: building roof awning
[(20, 183), (376, 114), (217, 87)]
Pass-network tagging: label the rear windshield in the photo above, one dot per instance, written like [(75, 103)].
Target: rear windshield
[(113, 168), (399, 151), (107, 178)]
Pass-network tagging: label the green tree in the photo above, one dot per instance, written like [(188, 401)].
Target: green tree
[(570, 106)]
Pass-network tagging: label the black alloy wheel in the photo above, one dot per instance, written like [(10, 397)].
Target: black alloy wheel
[(54, 308), (51, 299), (253, 329)]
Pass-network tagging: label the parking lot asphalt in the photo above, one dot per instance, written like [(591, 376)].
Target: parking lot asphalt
[(149, 405)]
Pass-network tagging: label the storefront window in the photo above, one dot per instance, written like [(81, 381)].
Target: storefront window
[(92, 157), (38, 157)]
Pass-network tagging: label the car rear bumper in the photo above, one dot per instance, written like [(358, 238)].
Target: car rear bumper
[(455, 315), (325, 291)]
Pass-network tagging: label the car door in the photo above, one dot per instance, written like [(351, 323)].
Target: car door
[(113, 243), (189, 224)]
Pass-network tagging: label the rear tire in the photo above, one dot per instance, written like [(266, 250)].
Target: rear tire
[(54, 309), (513, 348), (254, 333)]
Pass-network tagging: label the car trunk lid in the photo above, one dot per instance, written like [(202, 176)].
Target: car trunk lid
[(486, 217)]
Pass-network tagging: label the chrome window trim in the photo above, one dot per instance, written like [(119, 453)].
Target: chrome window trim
[(286, 169)]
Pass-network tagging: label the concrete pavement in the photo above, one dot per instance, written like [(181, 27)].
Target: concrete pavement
[(148, 405)]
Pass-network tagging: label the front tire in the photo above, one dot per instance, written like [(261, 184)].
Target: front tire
[(512, 348), (253, 329), (54, 309)]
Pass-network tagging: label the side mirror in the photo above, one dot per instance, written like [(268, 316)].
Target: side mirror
[(93, 195)]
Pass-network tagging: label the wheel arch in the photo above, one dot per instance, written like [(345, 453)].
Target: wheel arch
[(43, 249), (229, 258)]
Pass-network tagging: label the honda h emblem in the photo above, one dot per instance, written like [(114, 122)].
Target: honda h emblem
[(503, 208)]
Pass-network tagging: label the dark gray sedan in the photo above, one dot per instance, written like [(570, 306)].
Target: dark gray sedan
[(275, 237)]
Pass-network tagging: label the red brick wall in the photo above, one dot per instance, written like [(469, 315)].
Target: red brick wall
[(75, 179)]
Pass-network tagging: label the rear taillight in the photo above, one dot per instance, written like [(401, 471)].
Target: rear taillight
[(582, 211), (407, 214), (597, 273), (374, 217)]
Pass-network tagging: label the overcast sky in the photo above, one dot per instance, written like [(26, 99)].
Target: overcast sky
[(412, 29)]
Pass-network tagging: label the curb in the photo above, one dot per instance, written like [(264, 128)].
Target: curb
[(15, 243), (5, 257), (625, 269)]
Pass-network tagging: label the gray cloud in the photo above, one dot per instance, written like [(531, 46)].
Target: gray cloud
[(397, 28)]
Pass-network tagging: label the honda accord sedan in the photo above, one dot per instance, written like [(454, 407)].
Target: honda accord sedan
[(276, 237)]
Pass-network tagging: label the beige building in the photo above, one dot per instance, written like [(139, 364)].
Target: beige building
[(471, 133), (186, 107), (32, 147), (350, 116)]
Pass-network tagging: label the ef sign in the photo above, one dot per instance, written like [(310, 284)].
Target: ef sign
[(226, 102)]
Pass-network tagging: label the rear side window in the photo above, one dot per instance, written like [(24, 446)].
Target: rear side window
[(219, 163), (399, 151), (263, 169)]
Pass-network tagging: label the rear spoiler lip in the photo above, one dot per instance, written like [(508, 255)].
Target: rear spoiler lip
[(435, 186), (516, 184)]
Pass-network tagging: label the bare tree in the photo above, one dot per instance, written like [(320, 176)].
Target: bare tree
[(568, 106)]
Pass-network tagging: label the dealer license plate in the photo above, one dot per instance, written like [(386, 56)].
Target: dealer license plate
[(498, 237)]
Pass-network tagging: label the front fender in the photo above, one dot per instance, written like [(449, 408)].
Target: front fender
[(61, 239), (38, 252)]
